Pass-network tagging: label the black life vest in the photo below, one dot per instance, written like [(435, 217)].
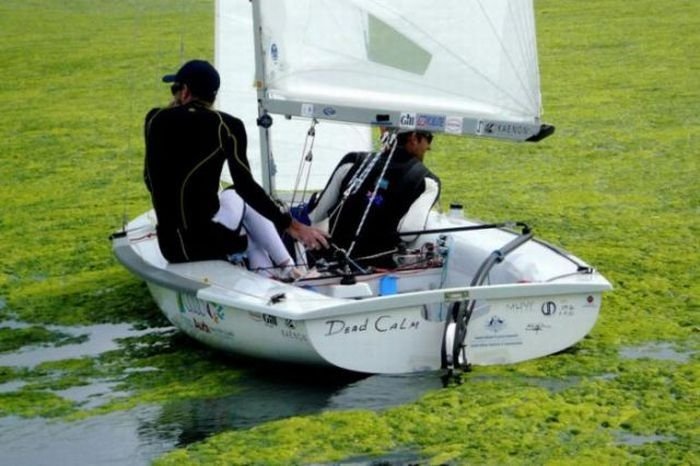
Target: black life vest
[(402, 183)]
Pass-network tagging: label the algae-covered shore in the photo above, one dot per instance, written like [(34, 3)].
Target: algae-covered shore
[(82, 344)]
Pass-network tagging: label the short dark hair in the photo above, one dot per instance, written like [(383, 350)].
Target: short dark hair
[(402, 138)]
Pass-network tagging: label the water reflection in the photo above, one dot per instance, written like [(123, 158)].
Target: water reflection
[(265, 393), (269, 394), (111, 439)]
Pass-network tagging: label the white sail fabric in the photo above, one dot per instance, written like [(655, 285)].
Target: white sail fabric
[(462, 58), (235, 60)]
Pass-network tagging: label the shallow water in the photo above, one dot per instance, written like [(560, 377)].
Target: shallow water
[(140, 435), (265, 392), (660, 350), (100, 339), (626, 438)]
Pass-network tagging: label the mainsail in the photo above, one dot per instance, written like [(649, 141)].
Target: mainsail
[(458, 66), (465, 67)]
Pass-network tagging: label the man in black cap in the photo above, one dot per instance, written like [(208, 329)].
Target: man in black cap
[(187, 144), (370, 198)]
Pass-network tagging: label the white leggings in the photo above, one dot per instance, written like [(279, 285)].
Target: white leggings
[(265, 247)]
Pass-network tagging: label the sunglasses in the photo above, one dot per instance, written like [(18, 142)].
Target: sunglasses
[(176, 87)]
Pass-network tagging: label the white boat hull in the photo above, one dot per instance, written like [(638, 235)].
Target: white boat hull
[(235, 310)]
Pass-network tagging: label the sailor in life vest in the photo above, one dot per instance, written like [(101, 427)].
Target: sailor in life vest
[(368, 201)]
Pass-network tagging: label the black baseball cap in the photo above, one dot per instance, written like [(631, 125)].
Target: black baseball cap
[(199, 75)]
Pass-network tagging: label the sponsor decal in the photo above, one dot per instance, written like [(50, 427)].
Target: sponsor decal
[(270, 321), (549, 308), (537, 328), (564, 309), (520, 306), (497, 334), (497, 339), (429, 122), (407, 120), (223, 331), (381, 324), (201, 325), (188, 304), (307, 110), (329, 111), (293, 335), (453, 125), (567, 309), (495, 324), (495, 128), (215, 312), (483, 127)]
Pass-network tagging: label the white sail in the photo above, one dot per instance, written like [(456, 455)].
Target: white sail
[(234, 52), (459, 66)]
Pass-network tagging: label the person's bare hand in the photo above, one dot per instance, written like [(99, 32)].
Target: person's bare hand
[(311, 237)]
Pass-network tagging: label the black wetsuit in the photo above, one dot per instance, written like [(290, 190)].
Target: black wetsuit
[(402, 184), (186, 147)]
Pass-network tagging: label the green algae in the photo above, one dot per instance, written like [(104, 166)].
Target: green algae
[(144, 370), (617, 184), (30, 403), (12, 339), (507, 421)]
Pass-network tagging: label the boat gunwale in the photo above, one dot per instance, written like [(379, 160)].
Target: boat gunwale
[(290, 309)]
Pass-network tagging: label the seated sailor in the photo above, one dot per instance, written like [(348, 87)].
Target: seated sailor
[(370, 198), (187, 144)]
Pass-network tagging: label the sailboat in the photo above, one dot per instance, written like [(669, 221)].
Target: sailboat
[(325, 72)]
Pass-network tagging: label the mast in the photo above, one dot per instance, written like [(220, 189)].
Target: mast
[(264, 120)]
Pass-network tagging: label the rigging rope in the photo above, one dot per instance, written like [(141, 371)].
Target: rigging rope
[(306, 156), (354, 184), (358, 178), (391, 140)]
